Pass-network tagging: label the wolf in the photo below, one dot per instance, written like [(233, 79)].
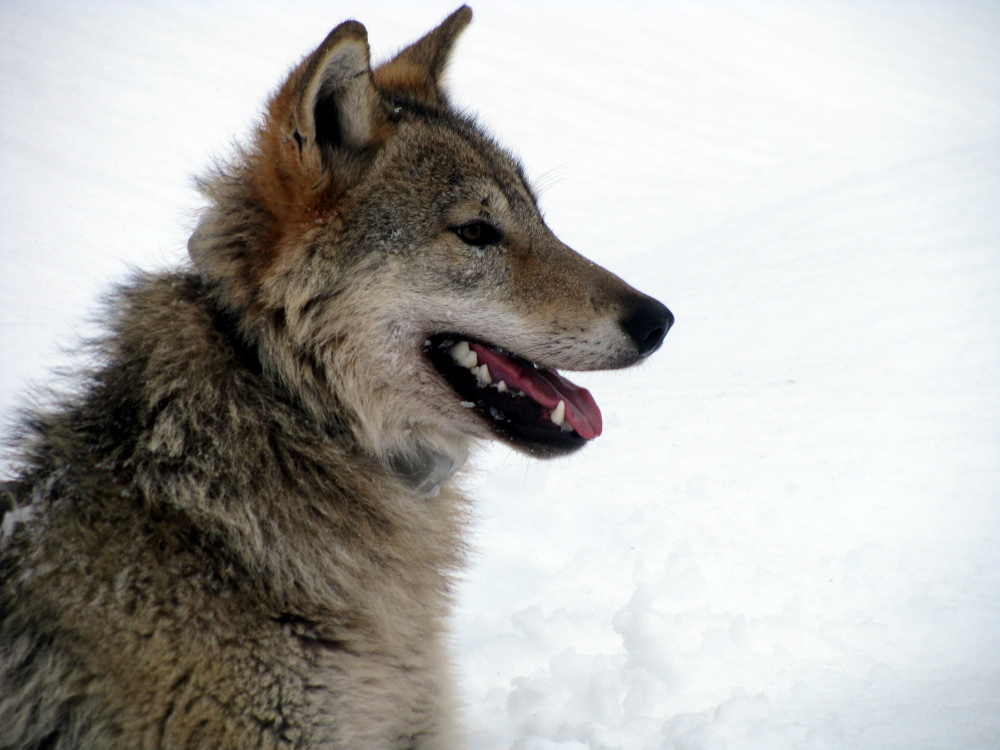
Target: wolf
[(241, 528)]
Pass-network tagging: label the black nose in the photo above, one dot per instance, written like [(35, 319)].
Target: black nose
[(647, 325)]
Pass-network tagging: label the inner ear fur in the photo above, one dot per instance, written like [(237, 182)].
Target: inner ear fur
[(415, 73), (328, 111), (337, 103)]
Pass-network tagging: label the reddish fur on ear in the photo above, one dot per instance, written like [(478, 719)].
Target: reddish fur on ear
[(416, 71), (321, 124), (319, 133), (317, 137)]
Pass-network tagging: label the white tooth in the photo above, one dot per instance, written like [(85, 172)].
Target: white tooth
[(463, 355), (559, 413), (483, 374), (502, 387), (459, 352)]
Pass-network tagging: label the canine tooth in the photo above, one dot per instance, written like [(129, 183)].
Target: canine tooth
[(559, 413), (502, 387)]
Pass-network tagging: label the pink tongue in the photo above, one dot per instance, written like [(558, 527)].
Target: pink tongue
[(546, 387)]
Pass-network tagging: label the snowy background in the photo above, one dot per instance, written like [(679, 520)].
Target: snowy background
[(789, 534)]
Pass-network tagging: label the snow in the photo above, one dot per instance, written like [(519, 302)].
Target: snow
[(788, 535)]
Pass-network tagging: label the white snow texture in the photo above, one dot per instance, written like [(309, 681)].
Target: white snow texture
[(789, 534)]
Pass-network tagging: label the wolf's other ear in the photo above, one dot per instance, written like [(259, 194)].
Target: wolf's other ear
[(416, 71)]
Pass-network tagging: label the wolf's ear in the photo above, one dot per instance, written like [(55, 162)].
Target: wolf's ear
[(319, 130), (416, 71), (329, 106)]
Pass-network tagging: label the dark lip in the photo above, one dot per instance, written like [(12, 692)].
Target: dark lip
[(517, 420)]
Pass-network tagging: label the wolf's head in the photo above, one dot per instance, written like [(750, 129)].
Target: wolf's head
[(389, 262)]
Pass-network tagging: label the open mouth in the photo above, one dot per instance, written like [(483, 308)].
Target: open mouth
[(533, 407)]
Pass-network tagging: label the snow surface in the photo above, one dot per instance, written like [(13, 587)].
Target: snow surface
[(789, 534)]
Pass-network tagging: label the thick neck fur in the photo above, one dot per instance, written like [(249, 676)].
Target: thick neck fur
[(286, 291), (197, 428)]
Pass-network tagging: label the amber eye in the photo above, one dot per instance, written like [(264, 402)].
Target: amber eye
[(479, 234)]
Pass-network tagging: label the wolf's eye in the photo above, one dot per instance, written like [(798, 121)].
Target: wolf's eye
[(479, 233)]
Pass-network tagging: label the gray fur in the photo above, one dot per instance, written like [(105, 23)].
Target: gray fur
[(241, 529)]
